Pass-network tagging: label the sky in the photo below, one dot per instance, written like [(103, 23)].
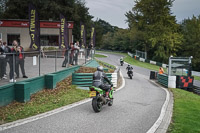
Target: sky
[(113, 11)]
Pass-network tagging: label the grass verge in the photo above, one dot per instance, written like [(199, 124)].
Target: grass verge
[(43, 101), (132, 61), (100, 56), (186, 114), (106, 65), (197, 78)]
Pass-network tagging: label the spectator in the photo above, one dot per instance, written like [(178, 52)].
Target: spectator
[(88, 50), (9, 60), (76, 52), (18, 50), (161, 70), (71, 61), (2, 61), (7, 51), (64, 64), (42, 52)]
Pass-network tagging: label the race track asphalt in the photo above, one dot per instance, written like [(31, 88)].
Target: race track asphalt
[(135, 109)]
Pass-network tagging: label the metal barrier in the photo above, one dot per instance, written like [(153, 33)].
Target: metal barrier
[(163, 79), (20, 66), (196, 90), (85, 79)]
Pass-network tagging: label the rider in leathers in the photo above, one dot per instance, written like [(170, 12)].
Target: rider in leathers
[(98, 80), (129, 68)]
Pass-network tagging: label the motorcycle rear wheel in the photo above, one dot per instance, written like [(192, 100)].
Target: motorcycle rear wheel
[(110, 103), (96, 104)]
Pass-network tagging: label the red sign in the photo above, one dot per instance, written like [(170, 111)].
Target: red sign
[(14, 23)]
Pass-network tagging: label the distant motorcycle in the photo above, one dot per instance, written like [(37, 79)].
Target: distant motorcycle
[(99, 98), (121, 62), (130, 74)]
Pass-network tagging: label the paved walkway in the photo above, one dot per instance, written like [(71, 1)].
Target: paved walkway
[(48, 65)]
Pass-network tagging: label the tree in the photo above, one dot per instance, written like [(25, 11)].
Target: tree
[(153, 23), (102, 28), (191, 44), (2, 7)]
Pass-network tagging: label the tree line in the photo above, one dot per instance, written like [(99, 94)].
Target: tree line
[(151, 27)]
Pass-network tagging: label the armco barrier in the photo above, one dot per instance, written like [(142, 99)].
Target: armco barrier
[(85, 79), (196, 90), (163, 79), (22, 90)]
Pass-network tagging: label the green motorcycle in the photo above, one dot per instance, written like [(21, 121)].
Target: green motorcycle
[(99, 98)]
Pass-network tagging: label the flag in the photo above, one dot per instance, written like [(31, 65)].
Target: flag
[(64, 38), (83, 36), (92, 37), (34, 27)]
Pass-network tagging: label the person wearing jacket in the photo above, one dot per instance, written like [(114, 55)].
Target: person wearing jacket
[(76, 52), (71, 61), (64, 64), (18, 50), (2, 60), (98, 80)]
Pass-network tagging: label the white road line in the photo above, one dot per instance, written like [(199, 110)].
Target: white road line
[(163, 109), (49, 113), (162, 113)]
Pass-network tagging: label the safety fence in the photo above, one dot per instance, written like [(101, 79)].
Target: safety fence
[(17, 66)]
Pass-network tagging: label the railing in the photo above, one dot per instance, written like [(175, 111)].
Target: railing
[(18, 67)]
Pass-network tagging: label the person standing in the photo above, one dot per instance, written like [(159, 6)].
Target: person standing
[(7, 51), (161, 70), (64, 64), (9, 60), (76, 52), (88, 51), (71, 56), (2, 61), (19, 59)]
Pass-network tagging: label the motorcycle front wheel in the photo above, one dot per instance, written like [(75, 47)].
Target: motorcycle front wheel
[(96, 104)]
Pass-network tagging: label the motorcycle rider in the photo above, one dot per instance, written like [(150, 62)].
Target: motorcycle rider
[(129, 68), (121, 60), (98, 81)]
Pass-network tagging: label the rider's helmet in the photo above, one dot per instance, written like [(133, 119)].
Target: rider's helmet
[(100, 68), (128, 65)]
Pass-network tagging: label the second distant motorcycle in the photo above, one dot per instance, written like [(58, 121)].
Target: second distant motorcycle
[(121, 61), (130, 71)]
